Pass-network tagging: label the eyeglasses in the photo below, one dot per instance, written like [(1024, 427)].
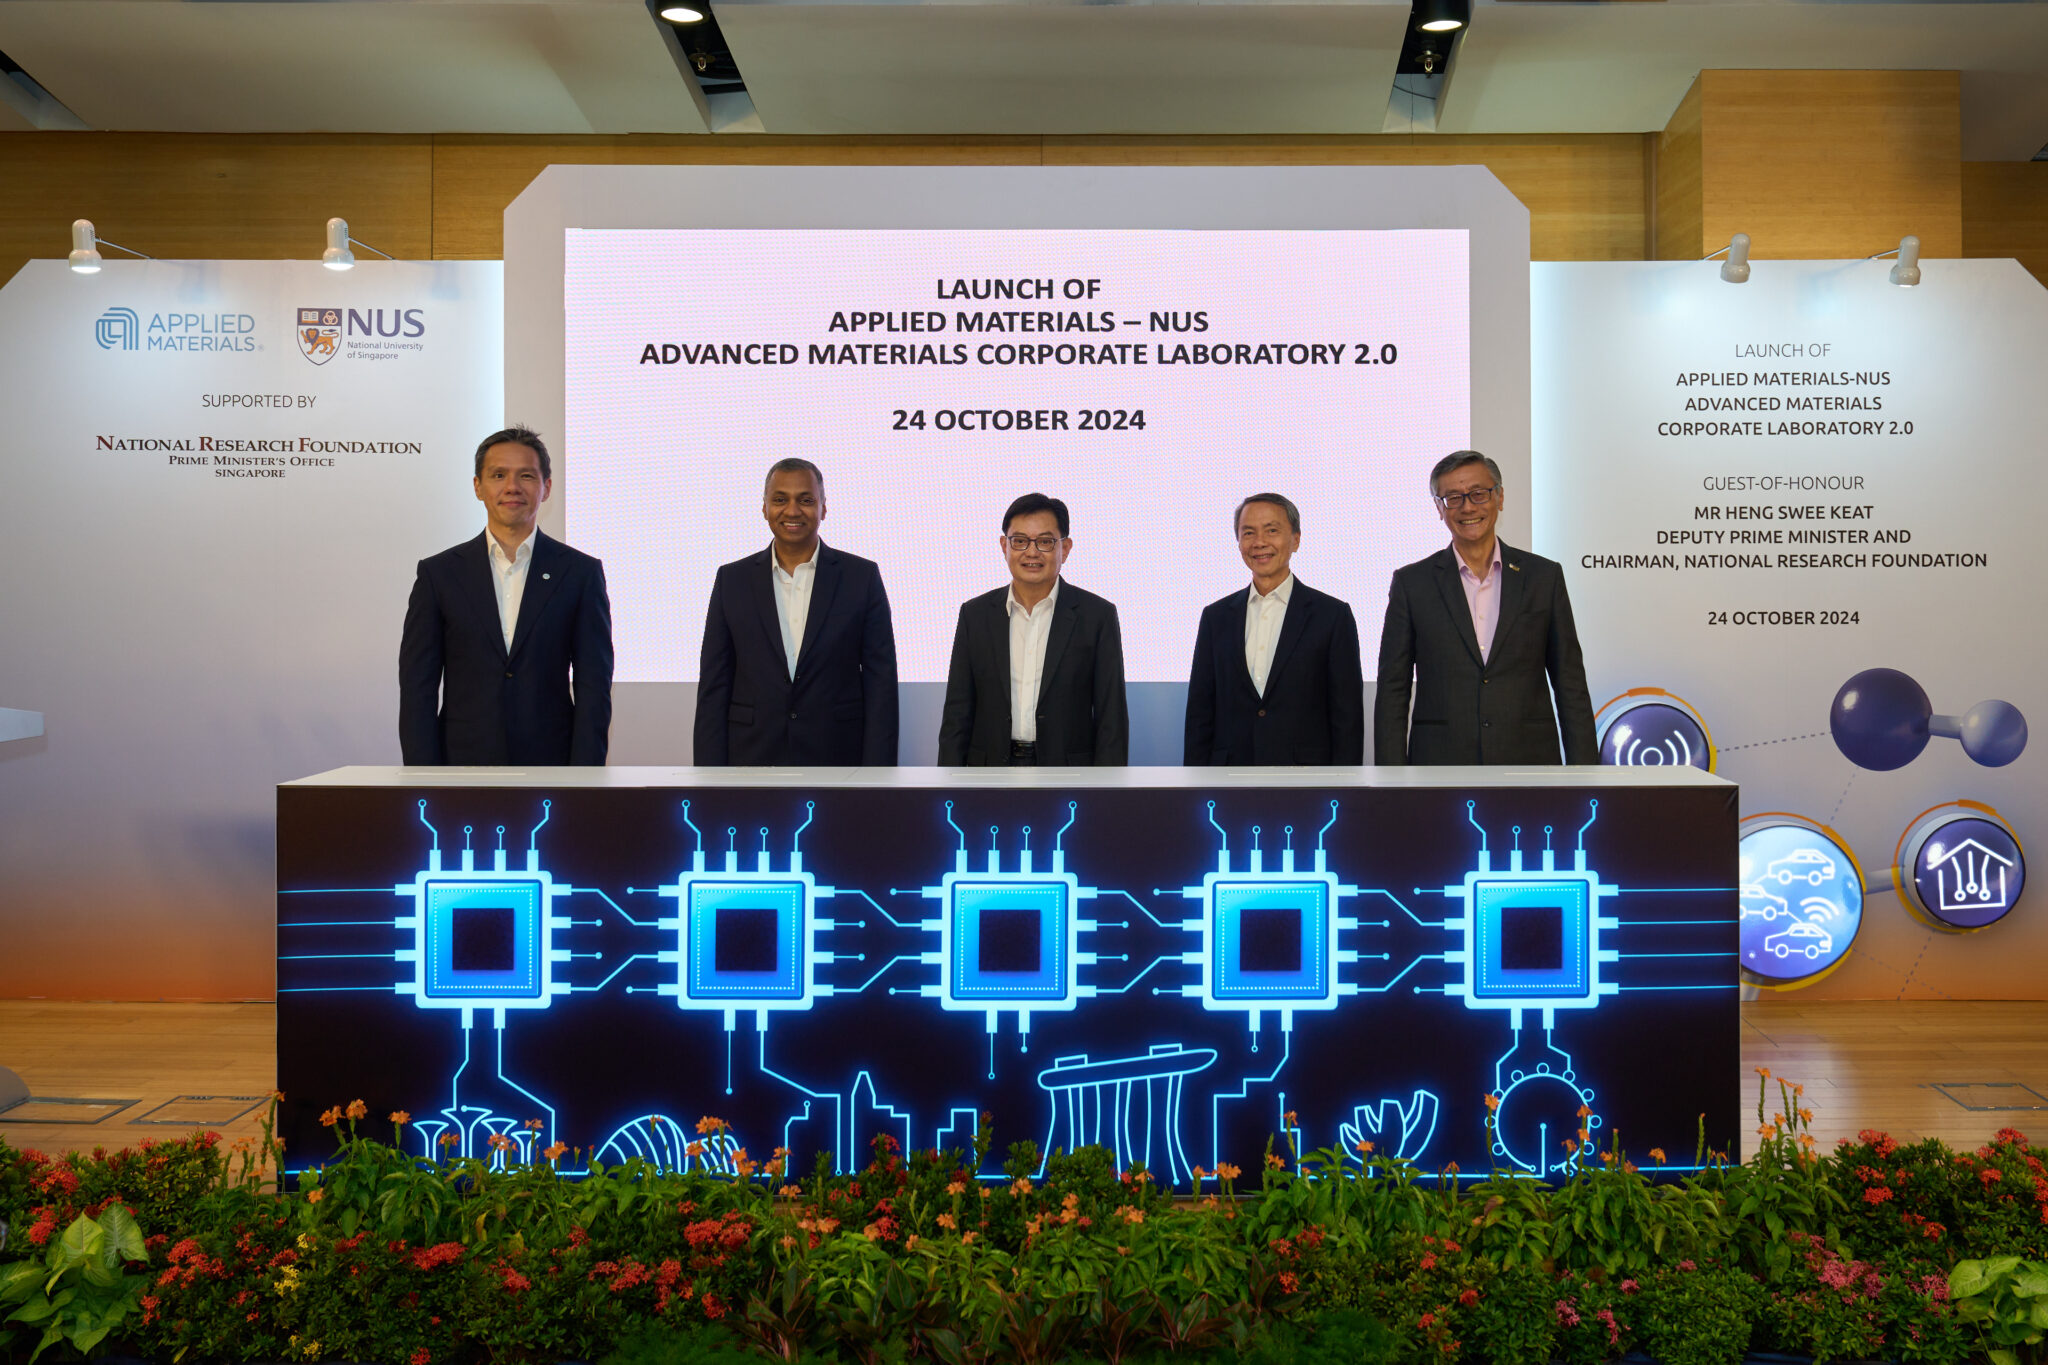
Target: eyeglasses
[(1478, 497), (1043, 544)]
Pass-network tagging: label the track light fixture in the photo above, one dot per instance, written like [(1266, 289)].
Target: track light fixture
[(1442, 16), (85, 244), (682, 14), (1906, 273), (1735, 270), (338, 256)]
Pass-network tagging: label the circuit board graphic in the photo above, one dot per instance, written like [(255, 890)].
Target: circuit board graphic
[(1172, 973)]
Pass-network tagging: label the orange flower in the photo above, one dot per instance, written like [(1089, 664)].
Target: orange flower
[(708, 1124), (1492, 1103), (1585, 1111), (966, 1237), (1274, 1162), (958, 1187), (1199, 1173), (948, 1221), (400, 1116), (1657, 1155), (532, 1125), (1607, 1158), (449, 1139), (1226, 1171), (330, 1117), (555, 1152), (1764, 1072), (694, 1149), (315, 1196), (358, 1110), (1365, 1149), (1288, 1118)]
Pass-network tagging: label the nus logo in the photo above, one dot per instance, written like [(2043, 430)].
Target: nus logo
[(118, 328)]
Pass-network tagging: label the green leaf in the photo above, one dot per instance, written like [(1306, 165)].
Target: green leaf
[(2032, 1281), (1967, 1280), (51, 1336), (85, 1338), (81, 1242), (349, 1219), (124, 1237)]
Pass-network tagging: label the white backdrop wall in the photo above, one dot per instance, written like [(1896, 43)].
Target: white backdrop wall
[(1669, 405), (207, 540)]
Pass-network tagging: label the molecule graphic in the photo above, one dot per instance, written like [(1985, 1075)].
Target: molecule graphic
[(1882, 719)]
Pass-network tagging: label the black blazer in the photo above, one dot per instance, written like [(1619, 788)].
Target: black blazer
[(1082, 716), (1468, 712), (464, 699), (1313, 711), (839, 711)]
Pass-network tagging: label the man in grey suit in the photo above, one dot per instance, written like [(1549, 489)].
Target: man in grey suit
[(1037, 677), (1480, 635)]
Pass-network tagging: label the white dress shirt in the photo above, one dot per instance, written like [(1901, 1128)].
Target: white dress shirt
[(1262, 620), (508, 576), (1029, 629), (793, 602)]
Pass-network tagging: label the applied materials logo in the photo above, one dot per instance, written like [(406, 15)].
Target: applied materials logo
[(319, 334), (118, 328)]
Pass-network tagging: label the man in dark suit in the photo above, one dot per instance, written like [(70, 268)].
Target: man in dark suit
[(1276, 678), (799, 662), (1037, 677), (1481, 635), (496, 628)]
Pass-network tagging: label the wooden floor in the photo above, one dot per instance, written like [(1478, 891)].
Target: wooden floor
[(1864, 1064)]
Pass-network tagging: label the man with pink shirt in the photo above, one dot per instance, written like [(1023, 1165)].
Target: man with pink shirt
[(1480, 636)]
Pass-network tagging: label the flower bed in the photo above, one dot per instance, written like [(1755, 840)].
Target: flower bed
[(186, 1251)]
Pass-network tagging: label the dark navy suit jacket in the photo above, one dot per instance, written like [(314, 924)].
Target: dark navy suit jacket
[(1469, 711), (465, 699), (1313, 710), (1082, 716), (840, 708)]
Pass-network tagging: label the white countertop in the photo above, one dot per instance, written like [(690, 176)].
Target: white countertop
[(1026, 778)]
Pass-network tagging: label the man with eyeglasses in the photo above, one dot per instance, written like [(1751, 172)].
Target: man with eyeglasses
[(1480, 635), (1037, 677), (1276, 678), (799, 661)]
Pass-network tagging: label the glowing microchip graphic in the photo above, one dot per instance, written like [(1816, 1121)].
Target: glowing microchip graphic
[(746, 939), (1273, 938), (1009, 938), (484, 940), (1530, 941)]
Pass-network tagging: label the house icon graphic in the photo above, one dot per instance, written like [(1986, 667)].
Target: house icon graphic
[(1969, 877)]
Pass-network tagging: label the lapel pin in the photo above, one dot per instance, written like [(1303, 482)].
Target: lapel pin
[(544, 575)]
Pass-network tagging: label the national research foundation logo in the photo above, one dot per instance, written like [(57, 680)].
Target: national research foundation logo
[(118, 328), (319, 333)]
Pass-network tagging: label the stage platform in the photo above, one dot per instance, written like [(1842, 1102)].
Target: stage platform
[(1910, 1068)]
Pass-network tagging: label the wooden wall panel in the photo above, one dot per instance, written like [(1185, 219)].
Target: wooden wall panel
[(194, 196), (476, 177), (2005, 212), (1676, 230), (1584, 191), (1832, 163)]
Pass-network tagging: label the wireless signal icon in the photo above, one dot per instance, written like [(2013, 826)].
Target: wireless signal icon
[(1648, 727)]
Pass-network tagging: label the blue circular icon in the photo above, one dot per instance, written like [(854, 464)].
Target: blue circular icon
[(1960, 869), (1647, 727), (1654, 735), (1802, 903)]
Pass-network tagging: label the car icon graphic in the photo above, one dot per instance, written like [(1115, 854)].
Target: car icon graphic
[(1810, 939), (1758, 903), (1801, 864)]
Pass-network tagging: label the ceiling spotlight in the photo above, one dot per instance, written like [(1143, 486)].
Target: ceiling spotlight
[(1442, 16), (1735, 270), (85, 244), (338, 256), (682, 14)]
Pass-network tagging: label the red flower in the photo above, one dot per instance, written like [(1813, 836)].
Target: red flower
[(1469, 1297), (1876, 1195), (1429, 1260), (421, 1356), (1427, 1319)]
